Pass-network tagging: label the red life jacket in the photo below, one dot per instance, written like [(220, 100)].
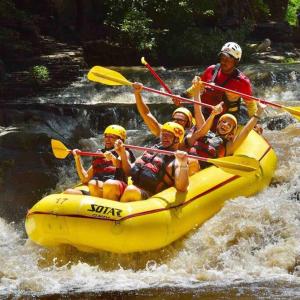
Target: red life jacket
[(103, 168), (148, 171), (214, 97)]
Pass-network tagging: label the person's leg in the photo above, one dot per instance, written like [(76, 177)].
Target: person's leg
[(133, 193), (96, 188), (113, 189), (73, 192)]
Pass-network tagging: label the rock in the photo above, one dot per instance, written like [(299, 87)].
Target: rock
[(264, 46), (26, 170), (279, 122)]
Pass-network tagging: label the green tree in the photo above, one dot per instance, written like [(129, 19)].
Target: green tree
[(293, 8)]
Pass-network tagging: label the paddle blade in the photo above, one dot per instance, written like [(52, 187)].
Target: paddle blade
[(239, 165), (295, 111), (143, 61), (107, 76), (59, 149)]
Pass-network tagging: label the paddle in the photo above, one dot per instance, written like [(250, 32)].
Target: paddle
[(167, 89), (295, 111), (143, 61), (61, 151), (110, 77), (238, 165)]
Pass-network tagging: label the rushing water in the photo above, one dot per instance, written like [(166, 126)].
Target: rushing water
[(250, 249)]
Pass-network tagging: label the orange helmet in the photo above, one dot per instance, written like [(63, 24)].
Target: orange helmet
[(174, 128), (116, 130), (187, 113)]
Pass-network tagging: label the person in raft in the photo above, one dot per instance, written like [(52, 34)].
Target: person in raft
[(225, 140), (226, 74), (153, 172), (105, 177), (181, 115)]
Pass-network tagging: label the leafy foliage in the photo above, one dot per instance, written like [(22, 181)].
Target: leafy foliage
[(135, 29), (293, 9), (195, 46), (186, 31), (175, 32), (40, 74)]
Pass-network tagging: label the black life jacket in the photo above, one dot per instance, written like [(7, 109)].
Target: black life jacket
[(148, 171), (211, 146), (232, 107), (104, 169)]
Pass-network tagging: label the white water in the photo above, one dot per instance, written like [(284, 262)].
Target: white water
[(254, 239)]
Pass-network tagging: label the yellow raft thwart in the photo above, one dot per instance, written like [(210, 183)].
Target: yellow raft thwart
[(92, 224)]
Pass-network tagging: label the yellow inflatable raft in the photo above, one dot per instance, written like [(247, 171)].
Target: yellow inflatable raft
[(92, 224)]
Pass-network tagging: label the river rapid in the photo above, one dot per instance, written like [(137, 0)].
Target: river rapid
[(249, 250)]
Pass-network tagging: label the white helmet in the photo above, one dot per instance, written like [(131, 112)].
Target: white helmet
[(233, 49)]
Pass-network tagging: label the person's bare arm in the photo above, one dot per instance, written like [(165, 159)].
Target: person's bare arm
[(198, 90), (237, 141), (124, 157), (85, 176), (116, 161), (151, 122), (181, 171), (194, 166), (192, 138)]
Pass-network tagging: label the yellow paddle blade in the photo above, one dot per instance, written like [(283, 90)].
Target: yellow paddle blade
[(59, 149), (295, 111), (107, 76), (143, 60), (239, 165)]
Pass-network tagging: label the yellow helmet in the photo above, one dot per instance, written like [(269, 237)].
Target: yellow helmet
[(116, 130), (174, 128), (232, 117), (187, 113)]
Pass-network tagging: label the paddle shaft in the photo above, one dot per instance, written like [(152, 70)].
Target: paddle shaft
[(84, 153), (178, 97), (239, 167), (210, 160), (220, 88), (156, 76), (162, 151)]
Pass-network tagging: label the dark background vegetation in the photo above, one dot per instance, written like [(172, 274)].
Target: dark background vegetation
[(118, 32)]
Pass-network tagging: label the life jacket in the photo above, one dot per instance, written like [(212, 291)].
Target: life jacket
[(104, 169), (211, 146), (214, 96), (149, 170)]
